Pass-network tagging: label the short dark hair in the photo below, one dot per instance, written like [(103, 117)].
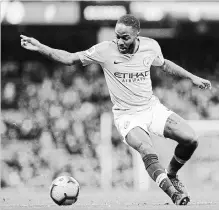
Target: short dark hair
[(130, 20)]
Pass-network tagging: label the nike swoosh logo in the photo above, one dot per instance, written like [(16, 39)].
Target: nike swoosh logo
[(117, 62)]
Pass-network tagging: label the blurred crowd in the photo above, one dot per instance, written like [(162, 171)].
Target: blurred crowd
[(51, 121)]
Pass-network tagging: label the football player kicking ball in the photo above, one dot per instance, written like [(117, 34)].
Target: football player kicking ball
[(127, 62)]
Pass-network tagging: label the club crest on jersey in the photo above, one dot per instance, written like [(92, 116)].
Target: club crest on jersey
[(147, 61), (90, 51)]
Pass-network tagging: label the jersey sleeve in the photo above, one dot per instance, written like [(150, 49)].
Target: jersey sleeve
[(95, 54), (159, 59)]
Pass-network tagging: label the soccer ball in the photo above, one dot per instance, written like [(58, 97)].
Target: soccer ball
[(64, 190)]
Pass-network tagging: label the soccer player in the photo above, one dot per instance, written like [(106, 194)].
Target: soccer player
[(126, 62)]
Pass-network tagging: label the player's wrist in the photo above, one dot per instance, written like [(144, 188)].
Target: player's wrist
[(193, 77), (42, 48)]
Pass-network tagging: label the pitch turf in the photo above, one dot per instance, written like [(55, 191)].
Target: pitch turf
[(28, 199)]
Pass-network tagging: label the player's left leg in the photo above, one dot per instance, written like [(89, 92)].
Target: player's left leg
[(140, 140), (178, 129)]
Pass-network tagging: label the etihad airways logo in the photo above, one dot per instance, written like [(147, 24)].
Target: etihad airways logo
[(132, 77)]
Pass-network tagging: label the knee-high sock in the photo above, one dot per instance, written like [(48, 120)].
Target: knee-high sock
[(181, 155), (157, 173)]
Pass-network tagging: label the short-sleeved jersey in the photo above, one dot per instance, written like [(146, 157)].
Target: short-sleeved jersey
[(127, 75)]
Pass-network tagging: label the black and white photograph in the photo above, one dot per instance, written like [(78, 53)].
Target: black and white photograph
[(110, 105)]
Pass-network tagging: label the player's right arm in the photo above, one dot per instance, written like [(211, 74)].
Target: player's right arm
[(61, 56)]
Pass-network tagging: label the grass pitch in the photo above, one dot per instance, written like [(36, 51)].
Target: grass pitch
[(28, 199)]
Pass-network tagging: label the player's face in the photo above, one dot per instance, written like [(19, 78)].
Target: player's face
[(126, 37)]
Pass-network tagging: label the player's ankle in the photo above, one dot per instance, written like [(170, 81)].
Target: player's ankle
[(171, 191), (170, 173)]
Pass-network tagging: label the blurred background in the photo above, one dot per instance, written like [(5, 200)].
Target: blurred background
[(57, 119)]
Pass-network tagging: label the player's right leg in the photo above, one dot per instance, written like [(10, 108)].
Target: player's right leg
[(138, 139)]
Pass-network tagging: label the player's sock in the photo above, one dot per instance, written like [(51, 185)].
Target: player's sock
[(175, 164), (157, 173), (182, 154)]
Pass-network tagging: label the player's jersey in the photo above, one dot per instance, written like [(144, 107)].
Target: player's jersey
[(127, 75)]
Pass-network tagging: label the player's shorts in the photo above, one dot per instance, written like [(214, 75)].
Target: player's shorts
[(152, 120)]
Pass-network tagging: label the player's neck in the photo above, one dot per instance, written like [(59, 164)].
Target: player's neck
[(135, 46)]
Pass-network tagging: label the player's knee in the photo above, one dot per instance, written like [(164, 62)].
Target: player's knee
[(144, 149), (140, 141), (192, 140)]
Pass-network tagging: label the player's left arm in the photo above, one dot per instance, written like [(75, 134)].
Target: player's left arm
[(175, 70)]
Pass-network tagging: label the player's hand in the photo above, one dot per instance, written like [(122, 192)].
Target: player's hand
[(201, 83), (29, 43)]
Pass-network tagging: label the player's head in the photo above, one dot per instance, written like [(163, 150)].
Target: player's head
[(127, 30)]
